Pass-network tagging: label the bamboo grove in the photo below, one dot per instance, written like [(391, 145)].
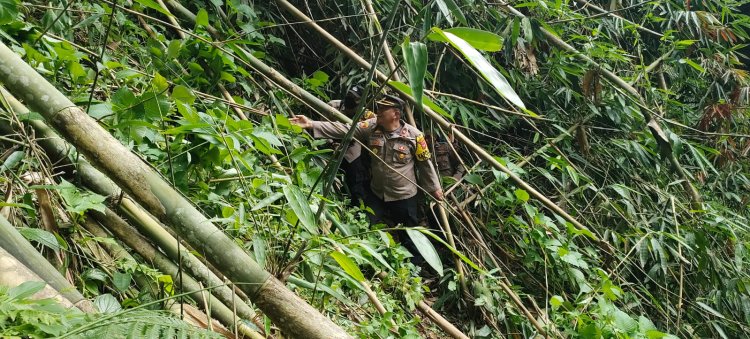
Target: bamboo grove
[(153, 186)]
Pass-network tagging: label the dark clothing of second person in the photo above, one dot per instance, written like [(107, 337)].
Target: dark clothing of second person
[(357, 178)]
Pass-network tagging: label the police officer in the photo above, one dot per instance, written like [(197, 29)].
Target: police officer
[(400, 161), (448, 164), (356, 164)]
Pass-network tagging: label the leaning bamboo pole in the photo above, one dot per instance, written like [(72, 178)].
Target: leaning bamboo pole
[(57, 150), (21, 249), (184, 281), (13, 273), (292, 314), (171, 247)]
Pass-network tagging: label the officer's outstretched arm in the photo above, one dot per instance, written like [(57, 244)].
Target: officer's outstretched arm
[(301, 121)]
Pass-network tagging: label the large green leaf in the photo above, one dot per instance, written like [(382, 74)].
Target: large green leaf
[(415, 58), (106, 303), (426, 101), (349, 266), (425, 248), (455, 251), (491, 74), (41, 236), (301, 208), (26, 289), (477, 38), (153, 5), (76, 201), (8, 11)]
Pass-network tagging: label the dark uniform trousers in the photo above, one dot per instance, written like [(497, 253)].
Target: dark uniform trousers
[(396, 212), (357, 179)]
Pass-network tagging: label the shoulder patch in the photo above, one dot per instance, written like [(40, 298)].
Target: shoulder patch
[(364, 124), (422, 153), (368, 115)]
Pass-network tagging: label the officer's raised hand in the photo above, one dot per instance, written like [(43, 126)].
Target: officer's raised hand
[(301, 121), (438, 195)]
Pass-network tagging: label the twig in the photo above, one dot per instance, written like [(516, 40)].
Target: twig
[(682, 267)]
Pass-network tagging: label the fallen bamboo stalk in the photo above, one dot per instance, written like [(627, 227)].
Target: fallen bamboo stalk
[(171, 19), (292, 314), (143, 247), (13, 273), (15, 244), (119, 253), (170, 246)]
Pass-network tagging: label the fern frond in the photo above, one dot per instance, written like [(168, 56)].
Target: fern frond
[(142, 324)]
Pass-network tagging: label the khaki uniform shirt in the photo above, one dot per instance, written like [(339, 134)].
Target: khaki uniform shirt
[(399, 158), (355, 149)]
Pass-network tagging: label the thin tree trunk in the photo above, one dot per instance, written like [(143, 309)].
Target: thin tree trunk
[(292, 314)]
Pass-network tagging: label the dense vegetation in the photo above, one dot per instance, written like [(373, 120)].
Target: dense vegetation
[(657, 172)]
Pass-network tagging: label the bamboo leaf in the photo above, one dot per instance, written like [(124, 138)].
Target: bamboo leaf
[(710, 309), (444, 9), (12, 161), (348, 265), (491, 74), (375, 255), (301, 208), (415, 58), (427, 102), (153, 5), (425, 248), (267, 201), (692, 64), (26, 289), (456, 11), (455, 251), (477, 38)]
